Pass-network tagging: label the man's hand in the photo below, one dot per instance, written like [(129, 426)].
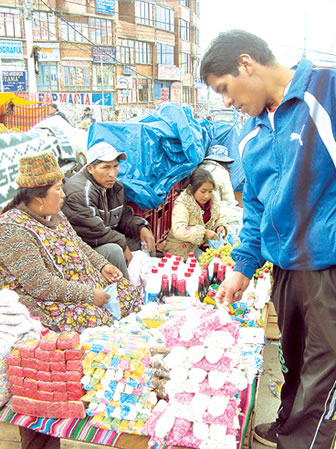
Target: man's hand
[(147, 237), (100, 297), (211, 235), (111, 273), (128, 255), (231, 289)]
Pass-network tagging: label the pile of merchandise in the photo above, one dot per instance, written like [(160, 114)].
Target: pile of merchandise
[(117, 378), (205, 378), (45, 376)]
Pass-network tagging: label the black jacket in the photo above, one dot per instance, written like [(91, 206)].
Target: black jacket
[(84, 208)]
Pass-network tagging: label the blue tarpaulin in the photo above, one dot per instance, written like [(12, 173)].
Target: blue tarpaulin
[(162, 149)]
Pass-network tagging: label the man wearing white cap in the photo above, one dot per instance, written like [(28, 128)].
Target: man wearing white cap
[(96, 207)]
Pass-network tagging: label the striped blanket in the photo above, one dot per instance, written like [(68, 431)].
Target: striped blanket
[(83, 430)]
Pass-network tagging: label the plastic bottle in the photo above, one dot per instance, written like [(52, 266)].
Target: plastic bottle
[(173, 285), (153, 287), (260, 292), (164, 292), (191, 285), (221, 274), (214, 278), (190, 257), (201, 288), (267, 279), (216, 259), (181, 287)]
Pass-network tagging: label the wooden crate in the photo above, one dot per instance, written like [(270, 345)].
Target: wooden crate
[(272, 329), (15, 437)]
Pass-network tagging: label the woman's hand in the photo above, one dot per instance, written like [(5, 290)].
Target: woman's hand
[(211, 235), (111, 273), (100, 297)]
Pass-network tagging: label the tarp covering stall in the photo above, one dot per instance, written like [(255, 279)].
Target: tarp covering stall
[(161, 149)]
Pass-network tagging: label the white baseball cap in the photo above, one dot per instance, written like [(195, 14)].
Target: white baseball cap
[(103, 151)]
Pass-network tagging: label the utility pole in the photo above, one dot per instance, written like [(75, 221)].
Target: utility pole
[(28, 25)]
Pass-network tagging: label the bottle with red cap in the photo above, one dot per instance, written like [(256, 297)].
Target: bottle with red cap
[(181, 287), (164, 292), (153, 287)]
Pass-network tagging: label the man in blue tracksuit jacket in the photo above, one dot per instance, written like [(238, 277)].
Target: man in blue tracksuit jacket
[(288, 152)]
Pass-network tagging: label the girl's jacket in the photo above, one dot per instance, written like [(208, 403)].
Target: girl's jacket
[(290, 190)]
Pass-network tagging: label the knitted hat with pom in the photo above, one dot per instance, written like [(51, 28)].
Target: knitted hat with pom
[(38, 169)]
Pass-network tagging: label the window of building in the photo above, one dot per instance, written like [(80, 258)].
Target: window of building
[(144, 91), (46, 80), (74, 31), (101, 72), (187, 95), (197, 37), (158, 86), (75, 75), (100, 31), (185, 3), (125, 51), (10, 22), (44, 26), (165, 54), (144, 12), (164, 18), (186, 62), (184, 29), (143, 53), (128, 95)]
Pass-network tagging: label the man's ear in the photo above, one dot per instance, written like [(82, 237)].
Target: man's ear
[(89, 168), (246, 63)]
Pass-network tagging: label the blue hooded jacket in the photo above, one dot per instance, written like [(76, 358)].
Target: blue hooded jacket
[(290, 189)]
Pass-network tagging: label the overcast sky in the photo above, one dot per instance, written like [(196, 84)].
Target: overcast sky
[(287, 25)]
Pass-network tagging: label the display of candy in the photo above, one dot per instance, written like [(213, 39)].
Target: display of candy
[(117, 378), (205, 376), (41, 381)]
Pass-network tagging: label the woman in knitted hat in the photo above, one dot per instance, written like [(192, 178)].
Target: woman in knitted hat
[(58, 276)]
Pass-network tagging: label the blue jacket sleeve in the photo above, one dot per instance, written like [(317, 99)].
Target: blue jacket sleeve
[(247, 255)]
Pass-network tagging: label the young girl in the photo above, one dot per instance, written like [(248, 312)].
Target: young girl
[(196, 217)]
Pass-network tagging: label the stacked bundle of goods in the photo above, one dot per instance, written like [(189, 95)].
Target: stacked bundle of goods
[(45, 376), (15, 327), (117, 378), (205, 377)]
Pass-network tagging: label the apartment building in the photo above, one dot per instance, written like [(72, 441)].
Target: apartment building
[(121, 53)]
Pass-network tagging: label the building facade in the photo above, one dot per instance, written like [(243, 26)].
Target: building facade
[(120, 53)]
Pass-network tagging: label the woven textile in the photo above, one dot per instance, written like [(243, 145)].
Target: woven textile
[(83, 430)]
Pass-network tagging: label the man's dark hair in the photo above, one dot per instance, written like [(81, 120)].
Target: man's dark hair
[(53, 105), (87, 109), (222, 56)]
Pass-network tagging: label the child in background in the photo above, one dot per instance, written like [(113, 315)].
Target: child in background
[(196, 217)]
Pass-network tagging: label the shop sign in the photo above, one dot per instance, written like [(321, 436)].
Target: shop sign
[(11, 50), (82, 98), (48, 52), (125, 82), (106, 55), (168, 72), (105, 6), (14, 81)]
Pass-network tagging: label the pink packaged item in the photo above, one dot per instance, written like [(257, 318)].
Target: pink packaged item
[(49, 341), (68, 340)]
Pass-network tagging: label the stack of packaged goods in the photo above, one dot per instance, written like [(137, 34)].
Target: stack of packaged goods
[(45, 376), (16, 326), (117, 378), (205, 378)]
